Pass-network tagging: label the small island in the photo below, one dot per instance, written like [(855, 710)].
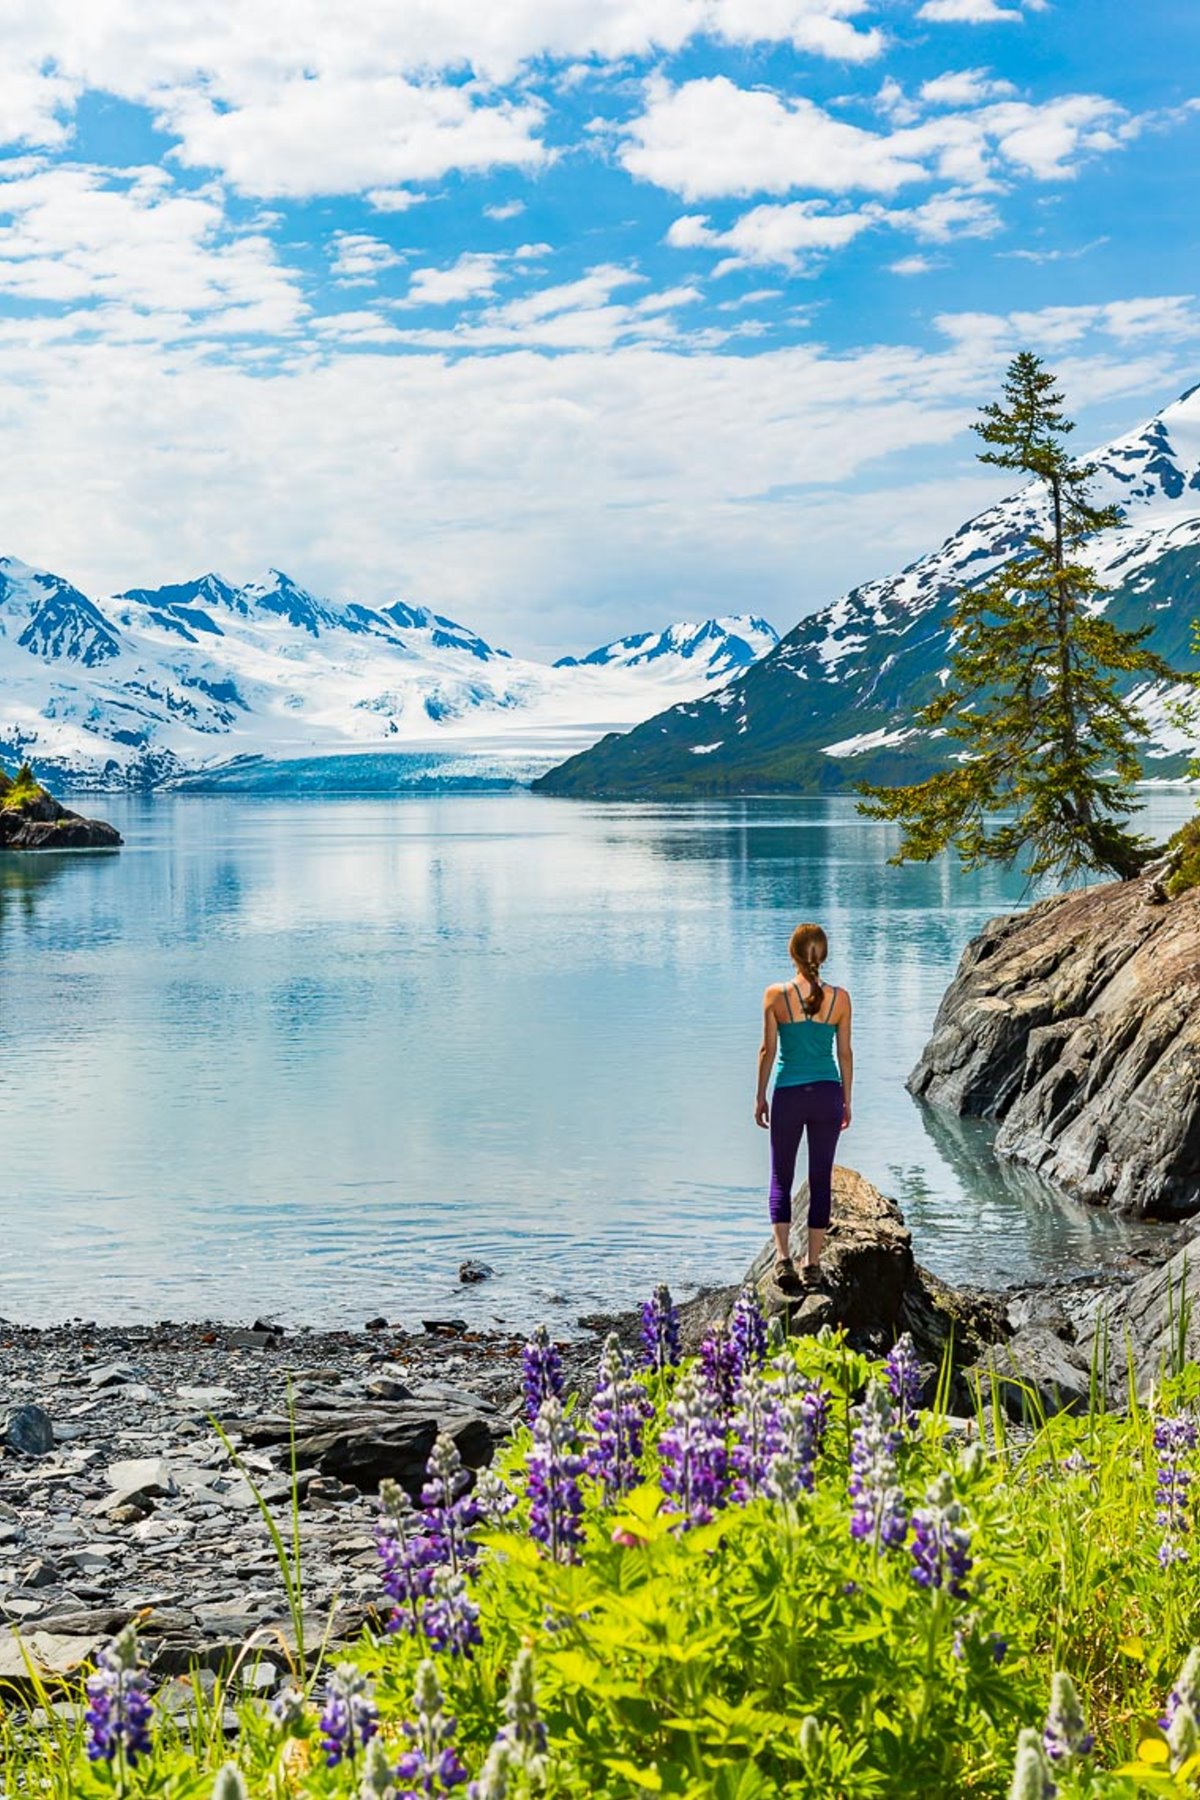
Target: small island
[(31, 819)]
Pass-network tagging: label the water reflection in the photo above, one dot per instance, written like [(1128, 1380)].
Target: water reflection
[(23, 876), (305, 1052)]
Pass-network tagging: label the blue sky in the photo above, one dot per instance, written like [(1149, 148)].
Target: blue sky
[(570, 317)]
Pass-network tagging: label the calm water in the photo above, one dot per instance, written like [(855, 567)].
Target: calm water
[(305, 1056)]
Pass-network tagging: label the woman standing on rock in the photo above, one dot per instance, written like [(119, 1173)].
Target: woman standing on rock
[(802, 1021)]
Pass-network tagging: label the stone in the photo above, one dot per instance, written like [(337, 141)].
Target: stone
[(867, 1263), (44, 824), (473, 1270), (445, 1327), (398, 1450), (53, 1655), (140, 1477), (29, 1430), (206, 1398), (1075, 1026), (113, 1375), (1035, 1358), (40, 1574)]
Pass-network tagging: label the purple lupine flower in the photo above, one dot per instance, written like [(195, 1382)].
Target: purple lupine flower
[(432, 1764), (660, 1331), (1032, 1779), (694, 1461), (450, 1509), (542, 1367), (803, 1417), (757, 1436), (408, 1553), (941, 1542), (1065, 1737), (719, 1361), (616, 1422), (1175, 1440), (554, 1467), (378, 1778), (1186, 1691), (348, 1718), (120, 1711), (748, 1331), (878, 1511), (903, 1374), (449, 1617), (1183, 1738)]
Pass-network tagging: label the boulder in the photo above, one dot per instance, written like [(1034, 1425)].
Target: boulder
[(868, 1260), (1075, 1026), (29, 1430), (1036, 1370)]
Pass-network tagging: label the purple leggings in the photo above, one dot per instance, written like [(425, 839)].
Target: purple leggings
[(817, 1104)]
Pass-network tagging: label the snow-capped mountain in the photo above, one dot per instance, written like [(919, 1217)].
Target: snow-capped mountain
[(719, 646), (833, 704), (155, 684)]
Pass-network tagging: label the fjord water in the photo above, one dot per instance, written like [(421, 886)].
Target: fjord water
[(303, 1057)]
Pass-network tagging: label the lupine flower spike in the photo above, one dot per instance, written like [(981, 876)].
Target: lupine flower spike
[(904, 1381), (660, 1331), (878, 1512), (757, 1436), (288, 1709), (941, 1543), (230, 1784), (450, 1510), (450, 1616), (493, 1496), (348, 1720), (432, 1764), (1175, 1440), (120, 1711), (1066, 1737), (694, 1463), (748, 1331), (554, 1466), (1032, 1779), (407, 1552), (803, 1416), (616, 1421), (719, 1360), (1183, 1738), (542, 1366)]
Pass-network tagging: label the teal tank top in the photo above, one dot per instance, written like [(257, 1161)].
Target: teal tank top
[(806, 1049)]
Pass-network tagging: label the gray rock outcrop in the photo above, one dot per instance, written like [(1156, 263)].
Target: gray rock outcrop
[(1076, 1027)]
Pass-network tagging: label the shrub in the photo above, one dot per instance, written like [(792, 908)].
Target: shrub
[(1186, 846)]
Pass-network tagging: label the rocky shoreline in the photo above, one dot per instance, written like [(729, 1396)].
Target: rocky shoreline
[(119, 1496)]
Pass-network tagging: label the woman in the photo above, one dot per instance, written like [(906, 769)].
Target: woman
[(803, 1018)]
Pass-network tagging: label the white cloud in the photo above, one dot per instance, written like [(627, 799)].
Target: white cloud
[(359, 258), (34, 103), (710, 138), (783, 235), (132, 242), (969, 12), (475, 273), (576, 482), (511, 209), (393, 200), (912, 265), (949, 215), (963, 87)]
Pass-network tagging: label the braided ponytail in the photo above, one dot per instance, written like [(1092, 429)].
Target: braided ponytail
[(808, 949)]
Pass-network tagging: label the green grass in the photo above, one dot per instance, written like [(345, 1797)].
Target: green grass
[(769, 1653), (21, 790)]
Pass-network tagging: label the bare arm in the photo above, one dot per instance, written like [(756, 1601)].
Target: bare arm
[(845, 1057), (766, 1057)]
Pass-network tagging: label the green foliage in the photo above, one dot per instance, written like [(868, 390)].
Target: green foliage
[(1186, 846), (1031, 702), (769, 1653), (22, 789)]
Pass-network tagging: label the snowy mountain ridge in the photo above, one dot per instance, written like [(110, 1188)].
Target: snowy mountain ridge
[(834, 702), (155, 683)]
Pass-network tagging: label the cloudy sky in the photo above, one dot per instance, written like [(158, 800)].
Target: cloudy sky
[(569, 317)]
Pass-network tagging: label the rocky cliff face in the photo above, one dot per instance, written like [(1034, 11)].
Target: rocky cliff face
[(1076, 1026)]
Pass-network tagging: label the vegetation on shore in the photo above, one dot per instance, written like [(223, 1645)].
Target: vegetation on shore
[(764, 1572), (20, 790)]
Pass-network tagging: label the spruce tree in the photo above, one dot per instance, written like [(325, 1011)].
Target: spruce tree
[(1031, 705)]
